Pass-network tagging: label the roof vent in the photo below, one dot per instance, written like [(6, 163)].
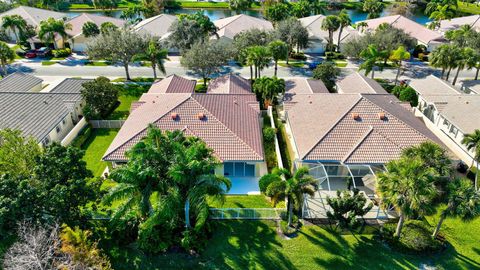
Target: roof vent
[(174, 116), (356, 116), (201, 116), (382, 116)]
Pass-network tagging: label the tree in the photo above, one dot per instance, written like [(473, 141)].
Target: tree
[(157, 56), (277, 12), (327, 72), (100, 97), (433, 156), (371, 55), (409, 187), (206, 58), (301, 9), (151, 8), (279, 51), (463, 202), (90, 29), (6, 56), (15, 23), (373, 8), (472, 142), (293, 188), (331, 24), (259, 57), (435, 4), (268, 88), (347, 207), (107, 27), (105, 4), (441, 13), (292, 32), (239, 5), (460, 36), (117, 45), (440, 58), (188, 30), (17, 153), (398, 56), (50, 28), (466, 59), (344, 21), (246, 39), (410, 95)]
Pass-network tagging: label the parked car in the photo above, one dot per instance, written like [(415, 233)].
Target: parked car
[(314, 63), (43, 52), (31, 54)]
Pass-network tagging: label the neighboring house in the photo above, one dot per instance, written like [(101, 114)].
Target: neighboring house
[(228, 122), (229, 84), (77, 41), (20, 82), (157, 26), (424, 36), (299, 86), (319, 38), (455, 23), (357, 83), (46, 116), (229, 27), (33, 16), (448, 112)]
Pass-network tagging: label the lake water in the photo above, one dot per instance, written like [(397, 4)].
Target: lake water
[(215, 14)]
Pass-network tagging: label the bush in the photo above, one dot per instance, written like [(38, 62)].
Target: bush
[(269, 134), (334, 56), (62, 52), (328, 73), (408, 94), (265, 181), (397, 90), (298, 56)]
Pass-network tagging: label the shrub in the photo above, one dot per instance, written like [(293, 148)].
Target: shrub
[(62, 52), (298, 56), (334, 56), (408, 94), (397, 90), (328, 73), (269, 134), (266, 180)]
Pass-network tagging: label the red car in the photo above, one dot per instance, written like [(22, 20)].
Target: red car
[(31, 54)]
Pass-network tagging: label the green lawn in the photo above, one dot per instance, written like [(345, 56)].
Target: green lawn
[(97, 63), (246, 201), (195, 4), (95, 147), (468, 7), (295, 64), (48, 63), (123, 110)]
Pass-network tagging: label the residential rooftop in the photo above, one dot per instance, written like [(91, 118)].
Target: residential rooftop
[(157, 26), (70, 86), (173, 84), (77, 22), (33, 16), (231, 26), (357, 83), (230, 84), (298, 86), (315, 31), (19, 82), (432, 85), (455, 23)]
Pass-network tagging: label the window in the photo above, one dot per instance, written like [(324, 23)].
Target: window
[(64, 121), (228, 169), (249, 170), (58, 129), (239, 169), (46, 141), (453, 130)]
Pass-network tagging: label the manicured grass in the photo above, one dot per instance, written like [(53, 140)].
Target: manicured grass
[(246, 201), (123, 109), (97, 63), (194, 4), (292, 64), (89, 6), (468, 7), (95, 147), (48, 63), (341, 63)]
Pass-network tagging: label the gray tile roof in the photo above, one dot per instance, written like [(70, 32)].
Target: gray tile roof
[(35, 114), (357, 83), (19, 82), (432, 85), (298, 86), (69, 86), (33, 16)]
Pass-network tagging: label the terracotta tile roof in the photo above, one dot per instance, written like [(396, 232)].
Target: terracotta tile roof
[(230, 84), (173, 84), (414, 29), (231, 126), (324, 128), (231, 26), (455, 23), (157, 26), (357, 83)]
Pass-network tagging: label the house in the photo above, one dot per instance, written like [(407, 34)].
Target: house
[(319, 37), (424, 36), (229, 27), (20, 82), (227, 121), (357, 83), (455, 23), (76, 40), (448, 112), (33, 16), (46, 116), (299, 86), (157, 26), (230, 84)]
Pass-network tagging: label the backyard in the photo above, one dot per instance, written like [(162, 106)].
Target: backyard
[(95, 146)]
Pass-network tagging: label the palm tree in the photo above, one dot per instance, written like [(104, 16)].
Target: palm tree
[(466, 59), (463, 202), (433, 156), (472, 142), (344, 20), (459, 36), (51, 27), (268, 88), (373, 8), (398, 56), (331, 24), (279, 51), (15, 23), (157, 56), (293, 189), (444, 12), (371, 56), (408, 186), (6, 55), (361, 26), (259, 57), (440, 58)]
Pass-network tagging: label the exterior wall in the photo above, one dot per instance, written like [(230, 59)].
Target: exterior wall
[(60, 131), (36, 88), (74, 132), (79, 44)]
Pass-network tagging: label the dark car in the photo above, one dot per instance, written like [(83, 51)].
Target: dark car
[(43, 52), (31, 54), (313, 64)]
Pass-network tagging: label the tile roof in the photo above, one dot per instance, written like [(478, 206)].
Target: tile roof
[(78, 22), (414, 29), (231, 26), (471, 85), (19, 82), (231, 126), (173, 84), (315, 31), (157, 26), (324, 129), (296, 86), (455, 23), (35, 114), (70, 86), (357, 83), (33, 16), (230, 84), (432, 85)]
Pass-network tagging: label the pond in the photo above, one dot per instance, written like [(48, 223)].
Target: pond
[(215, 14)]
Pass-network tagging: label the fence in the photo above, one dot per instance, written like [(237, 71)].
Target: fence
[(106, 123), (246, 213), (74, 132)]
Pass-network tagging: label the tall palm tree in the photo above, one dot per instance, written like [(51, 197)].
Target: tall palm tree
[(50, 28), (15, 23), (344, 20), (6, 56), (293, 188), (460, 36), (466, 59), (361, 26), (373, 8), (371, 55), (279, 51), (408, 186), (398, 56), (433, 156), (440, 58), (472, 142), (259, 57), (157, 56), (463, 202), (268, 88), (331, 23)]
